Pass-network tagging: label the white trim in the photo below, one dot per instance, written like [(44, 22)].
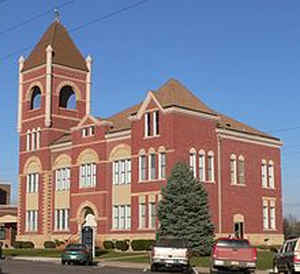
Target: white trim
[(191, 112), (49, 51), (246, 137), (21, 65), (70, 69), (88, 61), (125, 133), (150, 96), (33, 69)]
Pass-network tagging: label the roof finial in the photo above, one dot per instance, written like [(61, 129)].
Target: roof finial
[(57, 15)]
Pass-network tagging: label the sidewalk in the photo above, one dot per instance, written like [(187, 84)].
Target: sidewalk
[(115, 263)]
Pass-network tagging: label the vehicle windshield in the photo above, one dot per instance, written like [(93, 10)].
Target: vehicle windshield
[(75, 247), (177, 243), (233, 243)]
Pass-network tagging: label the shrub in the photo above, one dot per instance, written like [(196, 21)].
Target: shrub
[(138, 245), (28, 244), (49, 244), (108, 245), (23, 244), (122, 245), (18, 244)]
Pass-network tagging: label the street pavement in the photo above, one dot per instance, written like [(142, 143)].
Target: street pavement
[(36, 267), (45, 265)]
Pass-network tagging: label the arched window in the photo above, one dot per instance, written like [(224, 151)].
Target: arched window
[(35, 101), (67, 98)]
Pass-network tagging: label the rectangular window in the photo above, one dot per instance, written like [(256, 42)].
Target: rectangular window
[(33, 140), (31, 220), (142, 215), (233, 171), (87, 175), (272, 218), (264, 175), (142, 171), (156, 123), (152, 166), (32, 182), (62, 179), (210, 168), (241, 172), (162, 165), (271, 175), (116, 217), (61, 219), (193, 163), (128, 216), (128, 171), (121, 217), (147, 124), (28, 140), (266, 216), (122, 172), (202, 167), (152, 215)]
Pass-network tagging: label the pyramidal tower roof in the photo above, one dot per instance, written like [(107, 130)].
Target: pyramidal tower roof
[(65, 51)]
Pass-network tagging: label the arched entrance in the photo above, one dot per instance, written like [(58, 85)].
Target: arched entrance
[(88, 220)]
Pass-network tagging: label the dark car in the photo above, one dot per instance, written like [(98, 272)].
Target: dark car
[(76, 253)]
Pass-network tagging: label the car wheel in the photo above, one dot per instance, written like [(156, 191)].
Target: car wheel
[(153, 268), (63, 262)]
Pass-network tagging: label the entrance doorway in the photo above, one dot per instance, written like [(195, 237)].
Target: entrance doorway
[(239, 230)]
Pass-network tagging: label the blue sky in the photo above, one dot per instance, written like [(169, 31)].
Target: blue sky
[(242, 58)]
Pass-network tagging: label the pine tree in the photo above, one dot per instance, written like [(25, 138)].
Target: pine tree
[(183, 211)]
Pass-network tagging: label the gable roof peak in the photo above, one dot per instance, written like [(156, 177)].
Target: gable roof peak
[(173, 93), (65, 52)]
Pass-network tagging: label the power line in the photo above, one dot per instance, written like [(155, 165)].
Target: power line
[(135, 5), (27, 21)]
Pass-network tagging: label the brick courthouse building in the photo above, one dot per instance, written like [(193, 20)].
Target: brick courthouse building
[(73, 164)]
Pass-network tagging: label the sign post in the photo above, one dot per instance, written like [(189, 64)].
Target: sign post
[(88, 233)]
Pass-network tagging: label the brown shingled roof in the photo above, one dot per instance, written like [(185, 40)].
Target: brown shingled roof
[(63, 139), (65, 51), (173, 93), (232, 124), (120, 120)]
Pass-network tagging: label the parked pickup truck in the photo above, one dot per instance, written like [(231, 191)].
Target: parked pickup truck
[(169, 253), (232, 254)]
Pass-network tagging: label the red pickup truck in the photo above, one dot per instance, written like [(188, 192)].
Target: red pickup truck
[(230, 254)]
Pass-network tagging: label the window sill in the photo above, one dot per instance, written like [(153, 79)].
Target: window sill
[(61, 231), (268, 188), (68, 109), (270, 229), (121, 184), (120, 229), (240, 185), (145, 229), (151, 181), (208, 182), (151, 137)]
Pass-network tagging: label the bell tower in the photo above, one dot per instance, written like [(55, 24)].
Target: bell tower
[(54, 85), (54, 96)]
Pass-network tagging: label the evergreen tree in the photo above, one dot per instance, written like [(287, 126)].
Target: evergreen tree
[(183, 211)]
